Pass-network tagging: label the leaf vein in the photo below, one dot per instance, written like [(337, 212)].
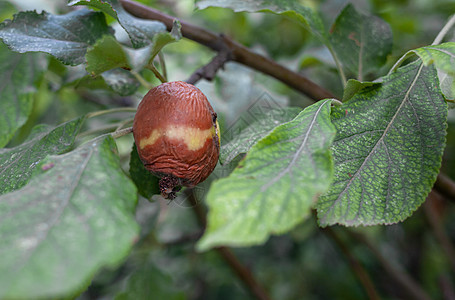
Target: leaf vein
[(367, 158), (299, 150), (57, 215)]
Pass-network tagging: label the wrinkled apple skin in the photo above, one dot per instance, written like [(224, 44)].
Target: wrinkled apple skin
[(176, 134)]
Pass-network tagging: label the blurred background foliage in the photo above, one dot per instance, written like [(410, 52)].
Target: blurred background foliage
[(307, 263)]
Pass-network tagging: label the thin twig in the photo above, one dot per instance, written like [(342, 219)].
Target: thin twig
[(445, 186), (447, 287), (241, 270), (158, 75), (142, 80), (240, 53), (98, 130), (110, 111), (356, 266), (339, 66), (243, 273), (124, 123), (400, 61), (438, 229), (208, 71), (162, 64), (444, 30), (122, 132), (406, 282), (198, 209), (436, 41)]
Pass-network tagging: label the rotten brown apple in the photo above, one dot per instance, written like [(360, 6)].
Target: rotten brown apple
[(177, 137)]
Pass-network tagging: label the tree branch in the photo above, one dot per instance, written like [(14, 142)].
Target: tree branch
[(209, 71), (240, 53), (434, 220), (447, 288), (242, 271), (356, 266), (121, 132), (445, 186), (407, 283)]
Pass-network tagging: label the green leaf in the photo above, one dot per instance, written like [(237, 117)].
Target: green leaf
[(105, 55), (140, 31), (387, 151), (66, 37), (18, 163), (442, 56), (102, 5), (354, 87), (275, 186), (139, 58), (108, 53), (146, 182), (149, 282), (447, 85), (6, 10), (362, 42), (16, 90), (261, 127), (121, 81), (75, 217), (304, 15), (162, 39)]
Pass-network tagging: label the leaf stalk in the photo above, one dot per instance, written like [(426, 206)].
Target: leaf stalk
[(110, 111), (444, 30), (122, 132), (158, 75), (436, 41)]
